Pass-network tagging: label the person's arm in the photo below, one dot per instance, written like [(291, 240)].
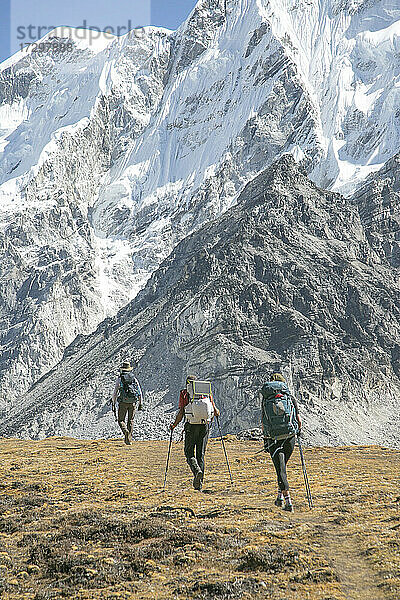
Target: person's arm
[(140, 407), (183, 401), (260, 397), (115, 393), (296, 410), (267, 440), (216, 411), (178, 418)]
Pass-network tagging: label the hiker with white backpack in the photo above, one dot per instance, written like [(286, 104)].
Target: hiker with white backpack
[(280, 423), (196, 404)]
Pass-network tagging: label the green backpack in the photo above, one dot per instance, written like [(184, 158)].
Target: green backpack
[(278, 413)]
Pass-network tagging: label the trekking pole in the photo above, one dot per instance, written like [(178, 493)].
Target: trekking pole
[(307, 485), (169, 452), (310, 500), (223, 445)]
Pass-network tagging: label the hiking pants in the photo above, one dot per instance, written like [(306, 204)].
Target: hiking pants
[(126, 408), (280, 451), (196, 437)]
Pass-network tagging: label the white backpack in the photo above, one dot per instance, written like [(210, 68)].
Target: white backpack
[(200, 409)]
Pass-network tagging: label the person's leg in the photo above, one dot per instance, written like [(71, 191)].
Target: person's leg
[(122, 409), (275, 448), (282, 479), (189, 448), (200, 431), (201, 445), (288, 447), (278, 459), (131, 414)]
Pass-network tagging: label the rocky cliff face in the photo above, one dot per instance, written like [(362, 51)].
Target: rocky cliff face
[(112, 154), (379, 206), (289, 279)]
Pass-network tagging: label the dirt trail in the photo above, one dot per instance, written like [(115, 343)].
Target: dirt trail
[(355, 575), (342, 551)]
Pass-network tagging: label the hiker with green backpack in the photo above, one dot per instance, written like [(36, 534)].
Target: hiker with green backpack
[(196, 404), (128, 394), (280, 423)]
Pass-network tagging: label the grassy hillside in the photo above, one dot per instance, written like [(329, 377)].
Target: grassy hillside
[(84, 519)]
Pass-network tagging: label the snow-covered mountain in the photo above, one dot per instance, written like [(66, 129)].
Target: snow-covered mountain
[(289, 278), (110, 155)]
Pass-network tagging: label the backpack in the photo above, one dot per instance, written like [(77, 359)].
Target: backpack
[(129, 388), (278, 414), (199, 410)]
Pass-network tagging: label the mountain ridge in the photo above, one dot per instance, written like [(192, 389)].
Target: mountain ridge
[(316, 300)]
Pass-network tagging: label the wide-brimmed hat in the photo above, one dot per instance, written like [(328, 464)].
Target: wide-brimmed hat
[(277, 377), (126, 366)]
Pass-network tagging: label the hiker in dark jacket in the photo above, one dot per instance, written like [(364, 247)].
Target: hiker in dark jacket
[(128, 394), (196, 434), (282, 449)]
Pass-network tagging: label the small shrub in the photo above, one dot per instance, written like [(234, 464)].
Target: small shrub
[(73, 570), (225, 590), (28, 540), (35, 500), (270, 560), (8, 525), (36, 487), (48, 594), (89, 526), (323, 575)]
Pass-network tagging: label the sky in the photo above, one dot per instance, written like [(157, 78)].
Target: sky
[(25, 21)]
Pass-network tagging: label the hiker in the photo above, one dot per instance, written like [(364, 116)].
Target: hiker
[(196, 404), (280, 423), (128, 393)]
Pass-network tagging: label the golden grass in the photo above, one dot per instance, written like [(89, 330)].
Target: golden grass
[(89, 519)]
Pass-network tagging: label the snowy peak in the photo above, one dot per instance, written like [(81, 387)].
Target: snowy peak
[(346, 54), (61, 92)]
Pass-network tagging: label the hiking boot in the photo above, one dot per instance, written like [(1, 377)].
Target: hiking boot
[(198, 481), (127, 440), (288, 507), (279, 502)]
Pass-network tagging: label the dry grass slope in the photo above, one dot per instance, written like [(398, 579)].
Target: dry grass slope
[(84, 519)]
